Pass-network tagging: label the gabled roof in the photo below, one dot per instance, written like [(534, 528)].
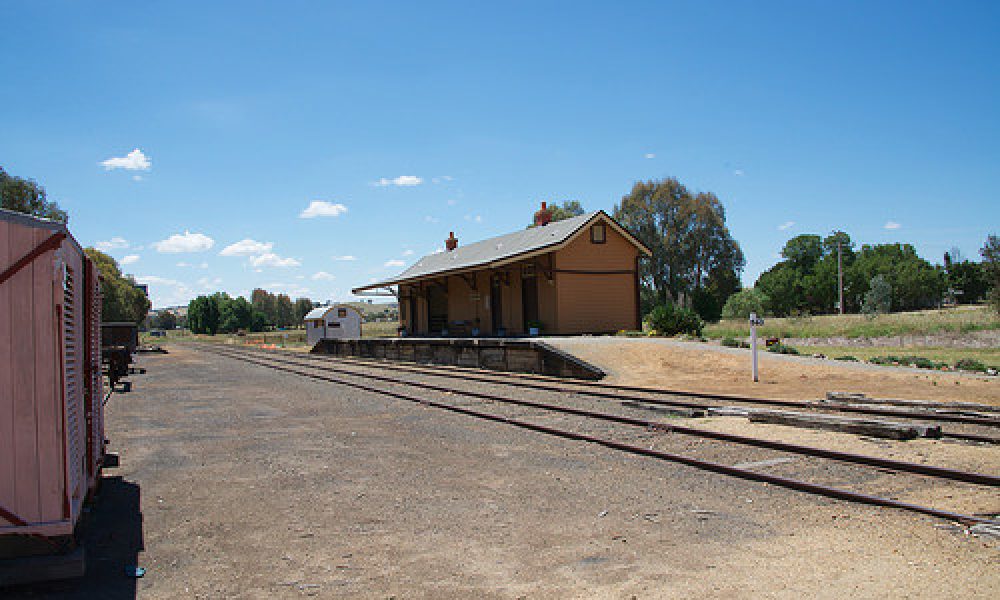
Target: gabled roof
[(504, 249)]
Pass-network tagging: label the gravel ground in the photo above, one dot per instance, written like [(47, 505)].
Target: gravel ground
[(261, 484)]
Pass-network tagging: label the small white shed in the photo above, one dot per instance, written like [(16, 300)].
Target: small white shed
[(337, 321)]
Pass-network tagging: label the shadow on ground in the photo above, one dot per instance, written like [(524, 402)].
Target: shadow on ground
[(112, 538)]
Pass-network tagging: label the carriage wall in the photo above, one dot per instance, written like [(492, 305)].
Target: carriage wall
[(51, 409)]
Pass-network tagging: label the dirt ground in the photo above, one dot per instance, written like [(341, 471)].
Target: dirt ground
[(695, 366), (259, 484)]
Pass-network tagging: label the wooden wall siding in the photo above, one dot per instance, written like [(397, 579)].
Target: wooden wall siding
[(46, 392), (616, 253), (466, 304), (548, 298), (76, 418), (596, 303), (513, 318), (95, 388), (33, 449), (8, 493), (22, 364)]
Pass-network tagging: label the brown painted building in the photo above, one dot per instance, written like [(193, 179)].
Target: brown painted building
[(578, 275)]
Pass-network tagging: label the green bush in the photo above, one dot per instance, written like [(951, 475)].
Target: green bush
[(744, 302), (782, 349), (970, 364), (847, 358), (921, 362), (730, 342), (884, 360), (668, 319)]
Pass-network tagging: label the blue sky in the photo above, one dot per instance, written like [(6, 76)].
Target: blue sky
[(410, 120)]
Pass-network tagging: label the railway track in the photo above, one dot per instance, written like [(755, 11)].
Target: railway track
[(307, 367), (643, 394)]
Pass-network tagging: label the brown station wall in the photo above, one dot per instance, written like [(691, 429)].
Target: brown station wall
[(592, 290)]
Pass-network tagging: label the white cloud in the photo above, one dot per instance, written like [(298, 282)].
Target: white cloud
[(323, 276), (452, 202), (133, 161), (130, 259), (394, 263), (247, 247), (166, 292), (115, 243), (344, 257), (319, 208), (270, 259), (650, 155), (430, 219), (476, 218), (892, 225), (137, 178), (203, 265), (157, 280), (401, 181), (209, 283), (786, 225), (738, 172), (407, 252), (184, 242), (441, 178)]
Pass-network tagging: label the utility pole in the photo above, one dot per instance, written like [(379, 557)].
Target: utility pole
[(840, 280)]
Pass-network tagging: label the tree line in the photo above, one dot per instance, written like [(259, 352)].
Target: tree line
[(876, 279), (220, 313)]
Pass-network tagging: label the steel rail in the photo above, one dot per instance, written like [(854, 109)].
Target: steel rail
[(560, 386), (785, 482), (886, 463)]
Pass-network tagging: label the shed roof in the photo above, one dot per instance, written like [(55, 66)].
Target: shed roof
[(317, 313), (320, 312), (501, 250)]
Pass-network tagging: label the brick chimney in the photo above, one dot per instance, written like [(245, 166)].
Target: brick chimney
[(543, 217), (452, 242)]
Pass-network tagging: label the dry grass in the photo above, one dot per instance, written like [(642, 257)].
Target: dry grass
[(951, 320)]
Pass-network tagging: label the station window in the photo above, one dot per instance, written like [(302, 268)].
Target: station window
[(598, 234), (341, 313)]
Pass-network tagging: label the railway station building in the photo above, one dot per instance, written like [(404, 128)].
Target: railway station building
[(574, 276)]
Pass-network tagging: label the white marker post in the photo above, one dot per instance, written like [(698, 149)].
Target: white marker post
[(754, 322)]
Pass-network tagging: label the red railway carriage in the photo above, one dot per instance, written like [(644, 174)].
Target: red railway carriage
[(51, 391)]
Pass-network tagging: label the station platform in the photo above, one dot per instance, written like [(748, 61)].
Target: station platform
[(516, 355)]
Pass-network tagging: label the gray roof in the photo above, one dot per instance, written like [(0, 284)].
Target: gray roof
[(496, 250), (316, 313)]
